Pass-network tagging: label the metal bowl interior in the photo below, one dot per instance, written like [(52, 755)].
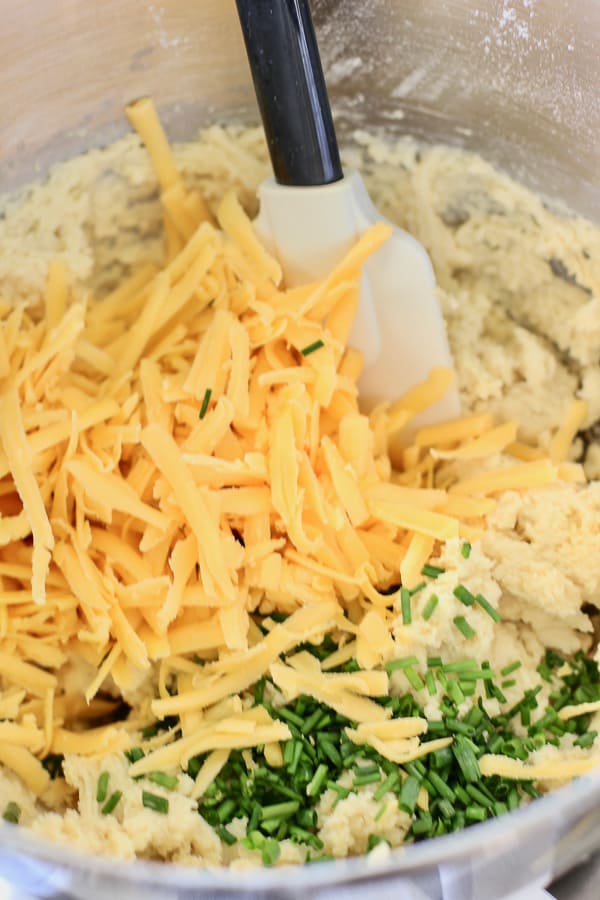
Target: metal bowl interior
[(517, 82)]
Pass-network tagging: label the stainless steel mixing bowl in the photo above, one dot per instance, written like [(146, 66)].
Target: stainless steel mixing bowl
[(515, 80)]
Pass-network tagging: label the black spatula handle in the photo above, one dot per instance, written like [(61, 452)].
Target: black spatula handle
[(290, 88)]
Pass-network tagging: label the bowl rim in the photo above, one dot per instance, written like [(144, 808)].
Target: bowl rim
[(547, 811)]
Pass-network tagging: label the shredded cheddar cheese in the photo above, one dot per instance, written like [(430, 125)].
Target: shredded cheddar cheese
[(171, 461)]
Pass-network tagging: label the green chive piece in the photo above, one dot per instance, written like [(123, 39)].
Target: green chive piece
[(586, 740), (487, 606), (429, 608), (423, 824), (455, 692), (418, 588), (369, 778), (464, 595), (102, 788), (380, 812), (463, 667), (134, 754), (446, 809), (317, 781), (432, 571), (476, 813), (440, 786), (111, 803), (331, 752), (205, 402), (406, 607), (296, 755), (414, 679), (430, 683), (508, 670), (169, 782), (409, 794), (465, 550), (434, 662), (306, 351), (270, 852), (279, 810), (466, 759), (508, 683), (464, 627), (374, 840), (153, 801), (401, 663), (226, 836), (390, 784), (12, 813)]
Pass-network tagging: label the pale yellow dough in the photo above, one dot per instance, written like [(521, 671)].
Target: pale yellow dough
[(520, 290)]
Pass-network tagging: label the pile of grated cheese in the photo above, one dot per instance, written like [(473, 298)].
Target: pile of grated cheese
[(190, 450)]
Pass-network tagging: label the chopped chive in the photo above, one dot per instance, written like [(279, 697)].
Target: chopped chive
[(12, 813), (466, 759), (429, 608), (434, 662), (167, 781), (418, 588), (432, 571), (102, 788), (430, 683), (476, 813), (370, 778), (406, 607), (153, 801), (290, 716), (330, 751), (409, 794), (586, 740), (464, 627), (508, 670), (253, 820), (464, 595), (226, 836), (440, 786), (414, 679), (316, 345), (488, 608), (390, 784), (401, 663), (380, 812), (445, 808), (374, 840), (455, 692), (134, 754), (508, 683), (441, 677), (462, 666), (111, 803), (279, 810), (225, 810), (317, 781), (478, 795), (270, 852), (423, 824), (306, 837), (366, 770), (340, 790), (312, 721), (297, 753), (205, 402), (465, 550)]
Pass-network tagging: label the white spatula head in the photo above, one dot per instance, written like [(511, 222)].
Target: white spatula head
[(399, 327)]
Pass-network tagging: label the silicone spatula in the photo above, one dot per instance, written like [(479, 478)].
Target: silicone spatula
[(312, 212)]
